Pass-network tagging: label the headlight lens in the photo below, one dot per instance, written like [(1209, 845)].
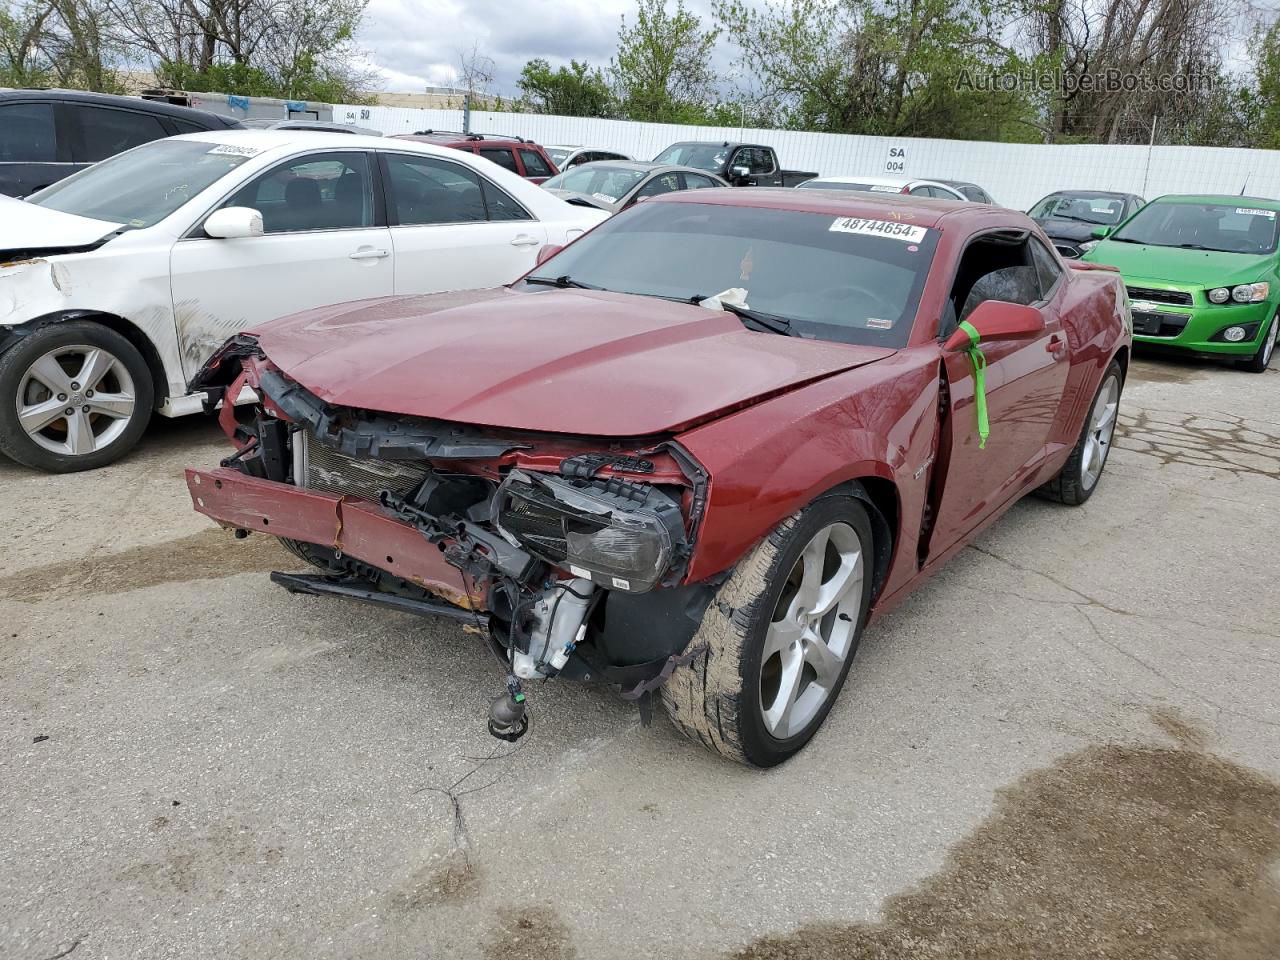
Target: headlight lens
[(618, 534), (1088, 245), (1219, 295), (1250, 292)]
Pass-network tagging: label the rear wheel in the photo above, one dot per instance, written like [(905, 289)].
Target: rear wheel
[(1079, 476), (73, 396), (1259, 362), (779, 637)]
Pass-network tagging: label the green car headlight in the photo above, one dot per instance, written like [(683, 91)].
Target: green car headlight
[(1250, 292), (1219, 295)]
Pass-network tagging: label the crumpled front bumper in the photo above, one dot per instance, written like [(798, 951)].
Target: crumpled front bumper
[(359, 529)]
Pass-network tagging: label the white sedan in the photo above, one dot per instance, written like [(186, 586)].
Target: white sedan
[(116, 284)]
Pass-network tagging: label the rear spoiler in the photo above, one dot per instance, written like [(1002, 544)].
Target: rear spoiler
[(1082, 265)]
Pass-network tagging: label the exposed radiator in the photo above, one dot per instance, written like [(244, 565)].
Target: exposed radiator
[(323, 468)]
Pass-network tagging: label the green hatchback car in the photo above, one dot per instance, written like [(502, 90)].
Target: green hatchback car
[(1203, 274)]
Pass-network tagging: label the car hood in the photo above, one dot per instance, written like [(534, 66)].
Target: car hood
[(1197, 268), (26, 226), (582, 199), (1073, 230), (562, 361)]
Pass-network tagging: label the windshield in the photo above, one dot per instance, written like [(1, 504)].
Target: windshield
[(847, 279), (1224, 227), (1103, 210), (701, 156), (609, 184), (144, 185)]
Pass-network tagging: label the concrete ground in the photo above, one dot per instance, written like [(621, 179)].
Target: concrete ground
[(1062, 746)]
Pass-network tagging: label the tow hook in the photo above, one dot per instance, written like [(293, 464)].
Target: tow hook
[(508, 713)]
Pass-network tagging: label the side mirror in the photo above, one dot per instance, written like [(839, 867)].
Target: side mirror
[(546, 252), (1100, 233), (233, 223), (998, 320), (740, 172)]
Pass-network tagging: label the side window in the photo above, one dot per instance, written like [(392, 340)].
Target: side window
[(27, 133), (500, 204), (186, 126), (1047, 268), (763, 161), (693, 181), (424, 190), (502, 156), (991, 268), (325, 191), (104, 132), (659, 185), (534, 165), (922, 191)]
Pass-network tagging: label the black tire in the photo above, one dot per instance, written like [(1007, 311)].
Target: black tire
[(1259, 362), (1072, 485), (717, 699), (313, 554), (17, 362)]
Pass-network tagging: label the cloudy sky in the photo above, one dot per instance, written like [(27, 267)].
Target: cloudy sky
[(413, 43)]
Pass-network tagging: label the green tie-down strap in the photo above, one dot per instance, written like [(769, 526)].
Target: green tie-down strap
[(979, 361)]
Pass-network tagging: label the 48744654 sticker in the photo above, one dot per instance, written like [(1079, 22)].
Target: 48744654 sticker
[(906, 232)]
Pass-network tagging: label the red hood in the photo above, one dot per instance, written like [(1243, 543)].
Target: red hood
[(562, 361)]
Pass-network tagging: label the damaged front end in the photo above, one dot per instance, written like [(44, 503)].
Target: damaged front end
[(569, 555)]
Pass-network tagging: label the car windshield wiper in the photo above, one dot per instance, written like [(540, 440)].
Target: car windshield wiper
[(1129, 240), (767, 322), (562, 282)]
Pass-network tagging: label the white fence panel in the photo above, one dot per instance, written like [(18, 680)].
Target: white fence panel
[(1016, 174)]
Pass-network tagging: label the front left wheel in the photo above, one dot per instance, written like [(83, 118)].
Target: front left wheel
[(779, 637), (73, 396), (1259, 362)]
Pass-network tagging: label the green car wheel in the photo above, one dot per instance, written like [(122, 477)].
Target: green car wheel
[(1259, 362)]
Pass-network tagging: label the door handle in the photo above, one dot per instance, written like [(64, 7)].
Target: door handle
[(524, 240), (369, 254), (1057, 346)]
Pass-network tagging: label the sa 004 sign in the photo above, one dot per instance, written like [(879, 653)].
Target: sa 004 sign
[(896, 161)]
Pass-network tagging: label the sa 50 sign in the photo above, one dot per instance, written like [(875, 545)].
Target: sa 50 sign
[(896, 162)]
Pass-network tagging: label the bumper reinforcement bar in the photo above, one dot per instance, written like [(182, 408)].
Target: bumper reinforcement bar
[(356, 589)]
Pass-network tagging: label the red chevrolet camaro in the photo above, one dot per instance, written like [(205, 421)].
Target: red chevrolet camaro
[(691, 455)]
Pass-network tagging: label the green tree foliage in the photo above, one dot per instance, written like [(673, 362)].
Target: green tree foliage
[(1263, 100), (573, 91), (884, 67), (662, 71)]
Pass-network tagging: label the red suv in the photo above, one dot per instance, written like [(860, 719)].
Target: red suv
[(522, 157)]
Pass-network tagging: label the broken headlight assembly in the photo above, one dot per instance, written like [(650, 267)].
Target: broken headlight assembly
[(614, 532)]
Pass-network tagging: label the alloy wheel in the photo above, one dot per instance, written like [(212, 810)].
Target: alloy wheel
[(76, 399), (1102, 425), (811, 632)]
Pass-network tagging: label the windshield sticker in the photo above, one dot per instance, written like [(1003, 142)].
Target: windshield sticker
[(235, 150), (877, 323), (605, 197), (1254, 212), (906, 232), (884, 188)]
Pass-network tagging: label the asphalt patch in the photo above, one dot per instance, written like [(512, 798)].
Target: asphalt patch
[(1166, 370), (533, 933), (1114, 853), (208, 555)]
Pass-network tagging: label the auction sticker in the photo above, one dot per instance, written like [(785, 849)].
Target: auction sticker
[(1255, 212), (235, 150), (906, 232)]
